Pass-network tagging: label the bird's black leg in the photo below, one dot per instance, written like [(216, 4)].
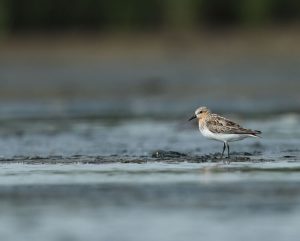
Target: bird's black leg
[(224, 147), (227, 161), (228, 150)]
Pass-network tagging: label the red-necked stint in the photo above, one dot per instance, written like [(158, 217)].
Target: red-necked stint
[(218, 128)]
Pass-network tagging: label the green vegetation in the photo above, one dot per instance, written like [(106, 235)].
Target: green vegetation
[(131, 15), (4, 17)]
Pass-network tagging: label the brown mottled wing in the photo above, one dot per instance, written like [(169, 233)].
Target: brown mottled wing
[(219, 124)]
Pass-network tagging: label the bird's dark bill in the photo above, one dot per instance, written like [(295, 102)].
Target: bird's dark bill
[(193, 117)]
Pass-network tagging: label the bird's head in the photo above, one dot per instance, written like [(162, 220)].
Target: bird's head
[(200, 112)]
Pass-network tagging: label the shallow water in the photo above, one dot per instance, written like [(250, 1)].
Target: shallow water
[(48, 191), (150, 201), (140, 137)]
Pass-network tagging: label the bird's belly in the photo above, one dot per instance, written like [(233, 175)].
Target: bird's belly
[(221, 137)]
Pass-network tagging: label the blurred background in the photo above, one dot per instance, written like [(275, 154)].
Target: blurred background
[(149, 58), (91, 90)]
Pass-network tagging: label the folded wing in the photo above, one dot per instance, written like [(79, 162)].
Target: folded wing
[(219, 124)]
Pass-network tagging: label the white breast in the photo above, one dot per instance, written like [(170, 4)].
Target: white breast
[(221, 137)]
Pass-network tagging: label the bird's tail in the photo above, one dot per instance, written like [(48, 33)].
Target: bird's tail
[(256, 133)]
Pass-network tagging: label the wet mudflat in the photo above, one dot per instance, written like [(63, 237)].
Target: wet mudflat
[(147, 179)]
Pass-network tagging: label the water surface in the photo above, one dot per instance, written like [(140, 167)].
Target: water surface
[(48, 191)]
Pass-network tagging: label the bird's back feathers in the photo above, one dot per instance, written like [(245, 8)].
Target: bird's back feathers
[(219, 124)]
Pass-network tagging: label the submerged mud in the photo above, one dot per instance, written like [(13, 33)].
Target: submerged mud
[(156, 156)]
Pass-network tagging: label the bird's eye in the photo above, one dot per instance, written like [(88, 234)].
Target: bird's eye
[(200, 112)]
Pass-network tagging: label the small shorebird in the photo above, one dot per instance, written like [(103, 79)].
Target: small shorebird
[(218, 128)]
